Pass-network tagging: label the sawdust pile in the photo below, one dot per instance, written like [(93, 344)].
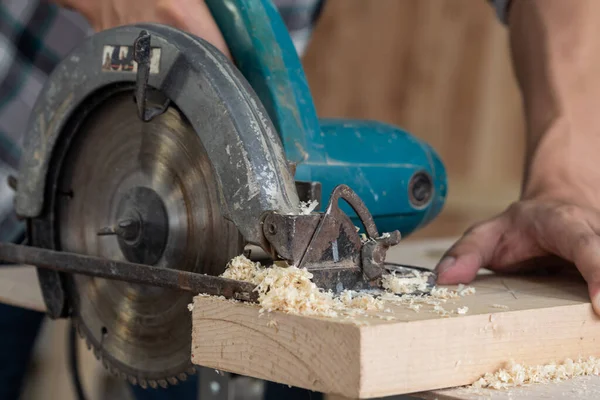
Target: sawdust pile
[(403, 285), (518, 375), (291, 290)]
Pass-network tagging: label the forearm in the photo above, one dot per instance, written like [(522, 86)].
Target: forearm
[(556, 52)]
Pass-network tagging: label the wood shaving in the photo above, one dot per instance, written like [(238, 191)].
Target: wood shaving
[(190, 307), (444, 293), (406, 284), (514, 375), (441, 311), (272, 323), (291, 290), (465, 290), (462, 310), (360, 301), (282, 289), (500, 306), (468, 291)]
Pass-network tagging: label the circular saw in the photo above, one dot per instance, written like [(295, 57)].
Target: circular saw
[(151, 160)]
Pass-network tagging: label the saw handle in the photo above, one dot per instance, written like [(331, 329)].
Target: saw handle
[(378, 161), (263, 51)]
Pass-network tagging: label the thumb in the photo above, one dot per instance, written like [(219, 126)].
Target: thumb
[(471, 252)]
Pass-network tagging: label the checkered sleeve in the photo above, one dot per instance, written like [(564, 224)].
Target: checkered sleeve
[(34, 37)]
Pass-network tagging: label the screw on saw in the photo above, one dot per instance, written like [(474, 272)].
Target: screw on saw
[(142, 55), (128, 229)]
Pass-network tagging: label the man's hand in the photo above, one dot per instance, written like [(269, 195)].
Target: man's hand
[(525, 231), (555, 46), (192, 16)]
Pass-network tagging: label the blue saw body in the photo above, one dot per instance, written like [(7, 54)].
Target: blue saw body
[(377, 160)]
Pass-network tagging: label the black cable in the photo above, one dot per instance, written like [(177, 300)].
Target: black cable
[(73, 364)]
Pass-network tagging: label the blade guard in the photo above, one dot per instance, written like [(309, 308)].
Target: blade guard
[(253, 175)]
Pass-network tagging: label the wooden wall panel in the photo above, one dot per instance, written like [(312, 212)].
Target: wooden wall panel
[(438, 68)]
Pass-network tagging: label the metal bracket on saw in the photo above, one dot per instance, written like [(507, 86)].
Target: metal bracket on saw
[(328, 244), (141, 55)]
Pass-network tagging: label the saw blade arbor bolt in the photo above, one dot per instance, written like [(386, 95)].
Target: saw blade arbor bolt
[(128, 229)]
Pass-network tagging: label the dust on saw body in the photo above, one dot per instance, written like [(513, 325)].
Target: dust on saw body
[(148, 146)]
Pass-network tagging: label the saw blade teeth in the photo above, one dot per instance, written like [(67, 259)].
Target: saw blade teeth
[(172, 380), (132, 379)]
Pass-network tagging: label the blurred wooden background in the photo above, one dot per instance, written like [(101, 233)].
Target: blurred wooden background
[(438, 68)]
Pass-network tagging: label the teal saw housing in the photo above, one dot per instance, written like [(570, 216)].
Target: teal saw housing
[(400, 178)]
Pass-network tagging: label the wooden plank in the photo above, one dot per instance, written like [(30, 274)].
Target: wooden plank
[(548, 319)]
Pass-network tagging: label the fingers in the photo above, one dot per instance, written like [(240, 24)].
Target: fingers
[(584, 251), (522, 235), (571, 233), (473, 251)]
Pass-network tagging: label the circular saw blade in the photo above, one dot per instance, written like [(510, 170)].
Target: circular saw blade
[(141, 332)]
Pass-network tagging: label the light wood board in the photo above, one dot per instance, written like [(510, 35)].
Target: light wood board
[(549, 319)]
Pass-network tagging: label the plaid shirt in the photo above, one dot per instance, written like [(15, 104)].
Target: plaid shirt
[(36, 35)]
